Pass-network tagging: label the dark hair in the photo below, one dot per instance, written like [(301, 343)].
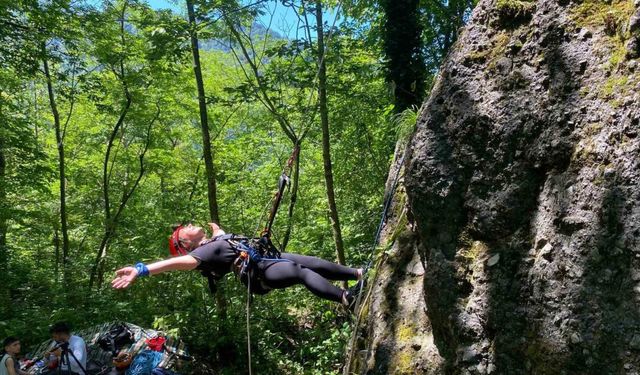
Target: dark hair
[(8, 341), (60, 327)]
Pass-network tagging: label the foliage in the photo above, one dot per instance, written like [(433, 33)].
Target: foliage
[(122, 62)]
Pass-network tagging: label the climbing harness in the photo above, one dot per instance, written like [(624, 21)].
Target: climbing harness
[(250, 253)]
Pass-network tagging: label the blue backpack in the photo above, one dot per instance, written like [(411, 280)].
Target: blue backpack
[(144, 363)]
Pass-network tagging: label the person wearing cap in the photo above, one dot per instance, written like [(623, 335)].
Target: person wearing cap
[(192, 250)]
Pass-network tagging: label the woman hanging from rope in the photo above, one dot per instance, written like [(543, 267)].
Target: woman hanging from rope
[(222, 253)]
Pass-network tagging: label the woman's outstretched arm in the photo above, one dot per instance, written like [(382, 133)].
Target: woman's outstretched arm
[(125, 276)]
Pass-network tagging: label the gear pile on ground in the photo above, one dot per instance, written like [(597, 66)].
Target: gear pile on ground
[(138, 352)]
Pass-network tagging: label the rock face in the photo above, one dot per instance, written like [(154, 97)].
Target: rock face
[(523, 186)]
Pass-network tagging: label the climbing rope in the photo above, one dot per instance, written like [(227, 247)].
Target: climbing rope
[(254, 256), (385, 210), (249, 322), (376, 242)]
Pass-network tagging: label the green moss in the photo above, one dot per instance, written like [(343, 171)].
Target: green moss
[(585, 91), (464, 239), (400, 228), (398, 212), (469, 251), (364, 312), (478, 248), (593, 128), (497, 49), (404, 364), (477, 57), (617, 54), (614, 85), (585, 151), (515, 8), (405, 332), (611, 15), (599, 178)]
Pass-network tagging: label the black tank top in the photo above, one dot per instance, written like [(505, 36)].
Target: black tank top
[(216, 256)]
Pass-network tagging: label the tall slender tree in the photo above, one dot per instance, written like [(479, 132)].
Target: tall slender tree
[(113, 212), (326, 139), (207, 150), (204, 119), (62, 180)]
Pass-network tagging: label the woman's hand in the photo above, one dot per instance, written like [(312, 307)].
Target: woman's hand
[(124, 277), (215, 229)]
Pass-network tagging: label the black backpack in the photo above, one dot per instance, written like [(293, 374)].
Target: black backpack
[(113, 340)]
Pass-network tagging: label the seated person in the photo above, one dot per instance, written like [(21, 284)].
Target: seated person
[(77, 350), (8, 358)]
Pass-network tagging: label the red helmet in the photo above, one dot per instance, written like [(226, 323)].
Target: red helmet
[(175, 247)]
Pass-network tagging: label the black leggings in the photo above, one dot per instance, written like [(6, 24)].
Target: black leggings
[(312, 272)]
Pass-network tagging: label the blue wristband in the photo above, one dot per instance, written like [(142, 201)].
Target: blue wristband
[(142, 269)]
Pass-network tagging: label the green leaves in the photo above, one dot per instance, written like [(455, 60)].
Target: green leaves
[(98, 55)]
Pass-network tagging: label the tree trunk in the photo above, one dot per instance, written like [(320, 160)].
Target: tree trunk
[(61, 164), (108, 224), (5, 300), (206, 140), (326, 150), (402, 43), (3, 211), (56, 247), (202, 103)]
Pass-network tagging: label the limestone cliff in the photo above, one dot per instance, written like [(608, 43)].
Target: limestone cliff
[(520, 253)]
